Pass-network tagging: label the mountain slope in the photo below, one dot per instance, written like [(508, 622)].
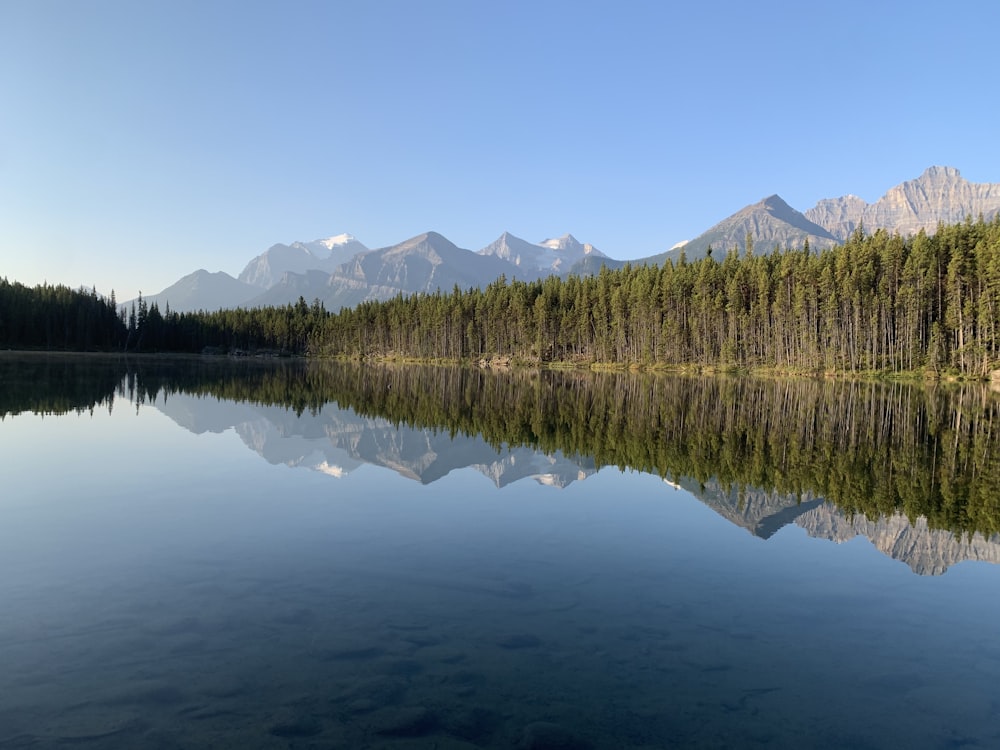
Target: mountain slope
[(203, 290), (268, 268), (770, 222), (424, 263), (591, 265), (553, 256), (566, 251), (526, 256), (309, 285)]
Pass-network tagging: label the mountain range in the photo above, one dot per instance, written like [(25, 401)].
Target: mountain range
[(341, 272)]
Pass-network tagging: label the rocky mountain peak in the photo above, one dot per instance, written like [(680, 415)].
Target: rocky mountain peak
[(570, 246), (777, 207), (932, 173), (939, 195), (270, 267), (428, 245), (770, 222), (513, 249), (565, 242), (340, 239)]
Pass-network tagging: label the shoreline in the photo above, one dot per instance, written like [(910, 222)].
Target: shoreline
[(509, 363)]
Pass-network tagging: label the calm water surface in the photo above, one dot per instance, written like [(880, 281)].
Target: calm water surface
[(204, 571)]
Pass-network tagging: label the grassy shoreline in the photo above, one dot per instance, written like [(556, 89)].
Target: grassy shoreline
[(508, 363)]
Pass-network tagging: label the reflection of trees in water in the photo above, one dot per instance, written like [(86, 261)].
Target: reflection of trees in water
[(57, 383), (872, 448)]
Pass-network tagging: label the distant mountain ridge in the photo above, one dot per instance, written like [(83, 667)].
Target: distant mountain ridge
[(342, 272)]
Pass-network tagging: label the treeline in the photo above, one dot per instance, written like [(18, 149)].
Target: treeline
[(62, 383), (57, 317), (877, 303), (280, 330)]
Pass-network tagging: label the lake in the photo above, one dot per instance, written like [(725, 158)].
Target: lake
[(223, 553)]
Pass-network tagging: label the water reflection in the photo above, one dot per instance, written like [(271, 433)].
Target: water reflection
[(915, 468), (165, 588)]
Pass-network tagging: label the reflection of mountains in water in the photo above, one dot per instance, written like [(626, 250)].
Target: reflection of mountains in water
[(336, 441), (926, 551)]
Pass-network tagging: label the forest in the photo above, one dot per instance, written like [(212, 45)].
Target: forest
[(878, 303), (57, 318)]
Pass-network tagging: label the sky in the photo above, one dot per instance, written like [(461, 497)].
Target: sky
[(141, 141)]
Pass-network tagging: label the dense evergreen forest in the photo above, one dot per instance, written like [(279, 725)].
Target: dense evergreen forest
[(869, 447), (58, 318), (877, 303)]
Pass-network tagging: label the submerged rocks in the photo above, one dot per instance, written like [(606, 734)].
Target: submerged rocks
[(371, 693), (475, 724), (544, 735), (520, 640), (297, 728), (405, 721)]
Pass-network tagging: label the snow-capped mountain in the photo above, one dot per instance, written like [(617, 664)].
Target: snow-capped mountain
[(268, 268), (568, 250), (425, 263), (553, 256)]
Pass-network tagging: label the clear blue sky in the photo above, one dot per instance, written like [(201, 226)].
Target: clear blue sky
[(140, 141)]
